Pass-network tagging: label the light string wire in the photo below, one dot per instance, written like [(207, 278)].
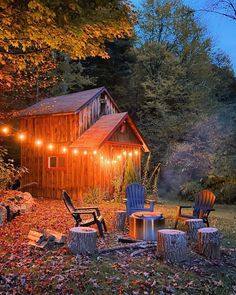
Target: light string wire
[(38, 142)]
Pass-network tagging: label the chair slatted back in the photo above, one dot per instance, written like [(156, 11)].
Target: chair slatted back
[(68, 202), (135, 195), (204, 201)]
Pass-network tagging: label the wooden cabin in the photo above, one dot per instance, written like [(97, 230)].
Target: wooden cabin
[(77, 142)]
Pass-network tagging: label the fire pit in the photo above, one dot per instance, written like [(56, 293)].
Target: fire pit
[(144, 225)]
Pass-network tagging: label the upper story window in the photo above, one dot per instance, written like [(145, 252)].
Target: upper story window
[(102, 105), (56, 162)]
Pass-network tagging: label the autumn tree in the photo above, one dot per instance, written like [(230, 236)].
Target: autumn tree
[(32, 29)]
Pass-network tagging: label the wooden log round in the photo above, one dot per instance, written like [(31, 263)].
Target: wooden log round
[(193, 226), (119, 220), (82, 240), (172, 245), (209, 242)]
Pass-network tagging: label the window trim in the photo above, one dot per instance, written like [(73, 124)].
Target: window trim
[(57, 157)]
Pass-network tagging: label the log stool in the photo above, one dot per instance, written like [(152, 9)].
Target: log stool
[(209, 242), (193, 226), (119, 220), (82, 240), (172, 245)]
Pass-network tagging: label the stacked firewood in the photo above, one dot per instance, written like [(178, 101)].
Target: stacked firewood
[(46, 239)]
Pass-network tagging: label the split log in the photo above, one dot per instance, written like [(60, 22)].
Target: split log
[(172, 245), (193, 226), (48, 238), (37, 239), (119, 220), (35, 235), (3, 214), (82, 240), (209, 242), (59, 238)]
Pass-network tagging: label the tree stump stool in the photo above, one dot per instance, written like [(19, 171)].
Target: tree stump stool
[(119, 220), (209, 242), (82, 240), (193, 226), (172, 245)]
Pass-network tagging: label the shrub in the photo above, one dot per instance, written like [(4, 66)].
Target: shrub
[(130, 174), (8, 172), (118, 184), (94, 196)]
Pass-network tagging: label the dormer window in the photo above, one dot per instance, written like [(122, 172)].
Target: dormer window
[(102, 105)]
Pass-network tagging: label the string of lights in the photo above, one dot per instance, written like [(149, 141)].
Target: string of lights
[(7, 130)]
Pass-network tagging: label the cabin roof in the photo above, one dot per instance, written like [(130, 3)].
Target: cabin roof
[(70, 103), (103, 129)]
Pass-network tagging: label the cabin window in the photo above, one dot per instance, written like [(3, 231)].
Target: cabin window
[(56, 162), (102, 106)]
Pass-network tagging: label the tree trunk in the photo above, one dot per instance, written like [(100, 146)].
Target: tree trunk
[(209, 242), (172, 245), (119, 220), (82, 240), (193, 226)]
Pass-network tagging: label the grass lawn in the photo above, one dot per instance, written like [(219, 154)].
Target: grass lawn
[(26, 270)]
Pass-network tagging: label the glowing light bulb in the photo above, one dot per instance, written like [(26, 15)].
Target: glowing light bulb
[(124, 153), (5, 130), (102, 158), (50, 146), (75, 151), (130, 154), (108, 162), (64, 149), (21, 136), (114, 162), (38, 142), (136, 152), (85, 152), (119, 157), (94, 152)]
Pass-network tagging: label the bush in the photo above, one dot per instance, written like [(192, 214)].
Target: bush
[(94, 196), (8, 172), (224, 188)]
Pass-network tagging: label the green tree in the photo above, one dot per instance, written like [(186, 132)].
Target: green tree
[(115, 73)]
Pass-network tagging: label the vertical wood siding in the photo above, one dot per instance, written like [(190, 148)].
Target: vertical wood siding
[(82, 172)]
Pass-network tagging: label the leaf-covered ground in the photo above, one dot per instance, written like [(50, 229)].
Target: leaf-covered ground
[(26, 270)]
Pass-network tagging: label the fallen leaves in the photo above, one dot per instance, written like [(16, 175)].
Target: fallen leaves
[(25, 270)]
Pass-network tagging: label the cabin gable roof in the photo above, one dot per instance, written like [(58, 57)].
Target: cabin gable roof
[(103, 129), (65, 104)]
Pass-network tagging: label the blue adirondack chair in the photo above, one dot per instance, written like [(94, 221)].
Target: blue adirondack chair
[(135, 199)]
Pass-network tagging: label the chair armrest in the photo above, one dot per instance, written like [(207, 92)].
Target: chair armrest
[(179, 209), (85, 212), (206, 214), (150, 201), (89, 208), (211, 210)]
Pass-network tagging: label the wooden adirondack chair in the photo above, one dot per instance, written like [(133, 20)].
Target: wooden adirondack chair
[(77, 213), (204, 203), (135, 199)]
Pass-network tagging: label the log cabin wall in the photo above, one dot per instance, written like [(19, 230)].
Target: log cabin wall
[(61, 130)]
